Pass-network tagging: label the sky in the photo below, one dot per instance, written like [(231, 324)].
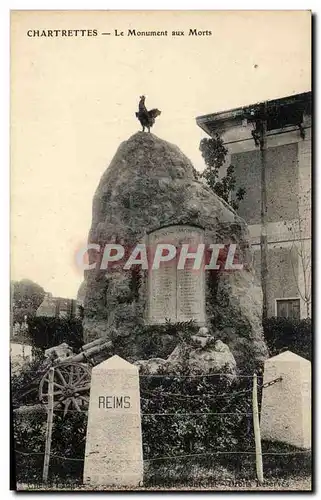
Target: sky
[(73, 100)]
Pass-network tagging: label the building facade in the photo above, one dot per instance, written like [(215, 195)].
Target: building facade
[(277, 139), (57, 307)]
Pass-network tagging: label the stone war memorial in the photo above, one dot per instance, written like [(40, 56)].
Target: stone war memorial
[(161, 235), (196, 271), (150, 195)]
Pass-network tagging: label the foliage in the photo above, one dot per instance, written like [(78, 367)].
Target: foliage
[(162, 435), (283, 334), (281, 462), (195, 414), (43, 333), (24, 383), (68, 441), (214, 153), (195, 438), (47, 332), (68, 437), (203, 432), (287, 460), (26, 298), (152, 340), (29, 441)]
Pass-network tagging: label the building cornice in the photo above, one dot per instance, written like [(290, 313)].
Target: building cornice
[(219, 120)]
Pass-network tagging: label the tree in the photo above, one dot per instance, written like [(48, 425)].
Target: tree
[(214, 153), (304, 287), (26, 298), (300, 249)]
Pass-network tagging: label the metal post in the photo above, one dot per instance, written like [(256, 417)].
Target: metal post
[(263, 237), (257, 432), (49, 425)]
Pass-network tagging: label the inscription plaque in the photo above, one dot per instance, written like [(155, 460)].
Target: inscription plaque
[(176, 294)]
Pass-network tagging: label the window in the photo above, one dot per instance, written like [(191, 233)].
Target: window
[(288, 308), (284, 116)]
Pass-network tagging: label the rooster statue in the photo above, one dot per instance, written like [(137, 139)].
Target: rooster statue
[(146, 118)]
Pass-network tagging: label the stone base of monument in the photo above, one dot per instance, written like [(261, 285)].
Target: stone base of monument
[(113, 455), (114, 480), (286, 405), (203, 354)]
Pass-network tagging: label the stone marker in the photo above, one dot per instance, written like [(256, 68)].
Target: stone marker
[(286, 405), (114, 453)]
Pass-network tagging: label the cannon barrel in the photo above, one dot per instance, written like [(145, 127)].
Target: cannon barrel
[(99, 341), (97, 349), (88, 353)]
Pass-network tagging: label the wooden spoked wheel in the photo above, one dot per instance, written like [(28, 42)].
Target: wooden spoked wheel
[(71, 387)]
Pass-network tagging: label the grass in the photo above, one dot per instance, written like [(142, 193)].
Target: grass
[(288, 470), (294, 484)]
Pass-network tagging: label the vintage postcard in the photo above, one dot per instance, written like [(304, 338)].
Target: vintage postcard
[(161, 250)]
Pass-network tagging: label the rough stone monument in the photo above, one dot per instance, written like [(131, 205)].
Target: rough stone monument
[(113, 455), (150, 194), (286, 405), (203, 354)]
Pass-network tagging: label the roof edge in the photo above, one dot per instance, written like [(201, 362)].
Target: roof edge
[(238, 112)]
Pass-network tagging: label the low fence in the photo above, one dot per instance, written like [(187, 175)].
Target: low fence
[(179, 408)]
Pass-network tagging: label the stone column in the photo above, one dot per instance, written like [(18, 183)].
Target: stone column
[(113, 455), (286, 405)]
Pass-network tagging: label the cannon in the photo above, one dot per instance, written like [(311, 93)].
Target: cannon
[(72, 374)]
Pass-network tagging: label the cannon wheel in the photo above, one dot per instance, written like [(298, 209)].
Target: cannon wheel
[(71, 387)]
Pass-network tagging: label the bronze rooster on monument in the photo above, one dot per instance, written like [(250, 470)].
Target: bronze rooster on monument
[(146, 118)]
